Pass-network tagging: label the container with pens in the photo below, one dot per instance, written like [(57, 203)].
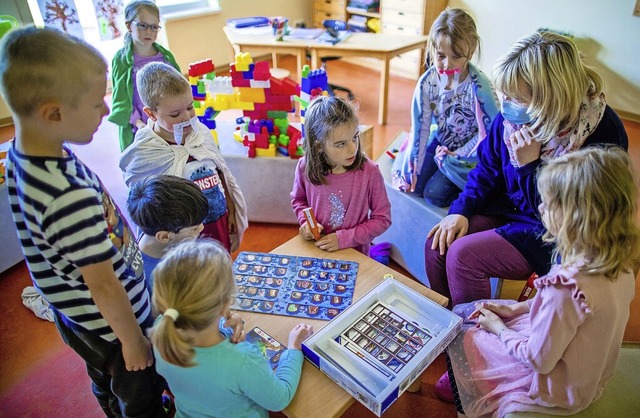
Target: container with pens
[(279, 24)]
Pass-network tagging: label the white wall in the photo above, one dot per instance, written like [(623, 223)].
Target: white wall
[(606, 31)]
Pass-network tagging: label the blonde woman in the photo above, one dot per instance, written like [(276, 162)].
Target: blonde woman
[(551, 104)]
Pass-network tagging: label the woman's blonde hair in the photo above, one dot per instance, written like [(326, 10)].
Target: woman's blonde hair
[(591, 195), (545, 70), (195, 278), (456, 28), (322, 116)]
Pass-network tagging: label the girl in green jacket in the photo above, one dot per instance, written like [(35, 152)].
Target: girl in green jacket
[(142, 18)]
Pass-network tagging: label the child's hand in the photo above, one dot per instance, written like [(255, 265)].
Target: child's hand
[(502, 310), (305, 231), (137, 356), (441, 152), (298, 334), (328, 242), (489, 321), (235, 322)]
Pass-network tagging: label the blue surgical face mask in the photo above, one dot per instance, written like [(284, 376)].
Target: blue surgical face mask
[(515, 113)]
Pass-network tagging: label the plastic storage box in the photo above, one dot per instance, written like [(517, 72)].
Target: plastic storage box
[(377, 347)]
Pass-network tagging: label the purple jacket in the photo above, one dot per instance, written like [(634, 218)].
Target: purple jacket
[(497, 188)]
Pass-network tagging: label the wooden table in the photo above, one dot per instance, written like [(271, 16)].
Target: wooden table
[(317, 395), (371, 45), (359, 44)]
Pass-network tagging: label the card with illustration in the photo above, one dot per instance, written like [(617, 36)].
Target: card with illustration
[(305, 287), (384, 338), (270, 348)]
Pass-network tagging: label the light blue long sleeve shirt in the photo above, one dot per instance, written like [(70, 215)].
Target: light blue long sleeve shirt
[(232, 380)]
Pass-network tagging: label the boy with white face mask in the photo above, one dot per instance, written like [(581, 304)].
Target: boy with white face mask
[(174, 142)]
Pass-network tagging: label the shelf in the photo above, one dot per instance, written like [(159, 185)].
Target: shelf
[(354, 11)]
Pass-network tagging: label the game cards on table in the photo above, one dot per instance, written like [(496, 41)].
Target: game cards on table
[(306, 287)]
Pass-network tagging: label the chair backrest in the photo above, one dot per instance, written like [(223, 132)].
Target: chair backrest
[(333, 26)]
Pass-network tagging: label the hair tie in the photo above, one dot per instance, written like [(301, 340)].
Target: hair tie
[(172, 313)]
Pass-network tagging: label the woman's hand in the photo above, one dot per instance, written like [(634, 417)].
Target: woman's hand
[(525, 147), (448, 230)]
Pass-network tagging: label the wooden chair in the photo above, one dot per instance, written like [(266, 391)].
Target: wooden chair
[(527, 290)]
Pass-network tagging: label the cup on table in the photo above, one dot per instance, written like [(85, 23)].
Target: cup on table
[(279, 25)]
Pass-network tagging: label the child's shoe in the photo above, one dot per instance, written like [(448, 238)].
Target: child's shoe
[(167, 402), (39, 305), (380, 252), (443, 388)]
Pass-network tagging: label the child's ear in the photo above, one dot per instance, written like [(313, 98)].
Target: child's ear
[(163, 237), (150, 112), (50, 112)]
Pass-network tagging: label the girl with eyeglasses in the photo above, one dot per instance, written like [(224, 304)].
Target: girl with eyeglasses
[(142, 18)]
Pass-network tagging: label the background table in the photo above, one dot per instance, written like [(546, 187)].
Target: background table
[(317, 395), (359, 44)]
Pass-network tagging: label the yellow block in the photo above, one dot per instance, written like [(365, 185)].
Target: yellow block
[(269, 152)]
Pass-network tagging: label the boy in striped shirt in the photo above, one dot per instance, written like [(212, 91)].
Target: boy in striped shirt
[(76, 243)]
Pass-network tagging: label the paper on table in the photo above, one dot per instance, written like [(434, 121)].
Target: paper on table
[(327, 38), (304, 33)]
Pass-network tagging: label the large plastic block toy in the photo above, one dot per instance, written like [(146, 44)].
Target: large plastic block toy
[(271, 151), (220, 85), (250, 95), (261, 84), (242, 61), (261, 71), (201, 68), (313, 80)]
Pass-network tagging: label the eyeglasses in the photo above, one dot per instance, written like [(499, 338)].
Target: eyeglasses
[(144, 26)]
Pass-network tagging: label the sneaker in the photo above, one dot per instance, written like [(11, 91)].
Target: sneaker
[(167, 401), (39, 305), (443, 388)]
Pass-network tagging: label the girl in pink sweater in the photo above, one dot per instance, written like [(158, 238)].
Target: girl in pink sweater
[(344, 188), (555, 353)]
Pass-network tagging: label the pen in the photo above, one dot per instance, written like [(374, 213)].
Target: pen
[(311, 220)]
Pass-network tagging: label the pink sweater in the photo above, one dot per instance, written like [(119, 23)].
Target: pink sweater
[(354, 204), (555, 359)]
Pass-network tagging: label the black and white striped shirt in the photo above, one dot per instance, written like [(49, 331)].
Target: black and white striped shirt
[(65, 221)]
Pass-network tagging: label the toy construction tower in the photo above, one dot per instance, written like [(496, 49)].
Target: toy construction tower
[(265, 102)]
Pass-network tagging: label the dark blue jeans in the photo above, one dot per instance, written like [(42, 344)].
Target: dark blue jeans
[(434, 186), (120, 393)]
